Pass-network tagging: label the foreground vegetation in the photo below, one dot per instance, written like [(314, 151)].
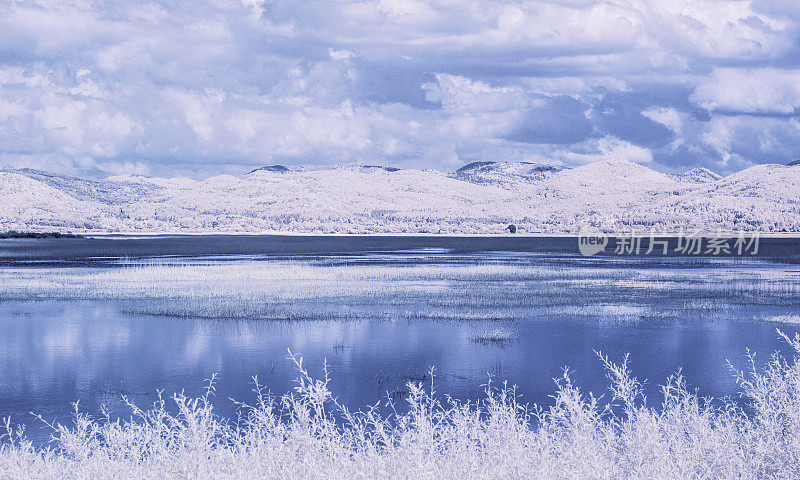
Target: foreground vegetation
[(307, 434)]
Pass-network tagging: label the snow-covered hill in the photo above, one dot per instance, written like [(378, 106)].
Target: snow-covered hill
[(479, 198), (505, 173), (698, 175)]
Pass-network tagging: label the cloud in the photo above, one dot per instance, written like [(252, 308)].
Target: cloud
[(748, 139), (669, 117), (605, 148), (555, 120), (767, 91), (207, 87), (340, 54), (622, 150)]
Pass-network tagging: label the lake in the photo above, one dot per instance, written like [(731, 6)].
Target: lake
[(91, 320)]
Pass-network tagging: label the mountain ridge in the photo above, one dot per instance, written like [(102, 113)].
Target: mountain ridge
[(478, 198)]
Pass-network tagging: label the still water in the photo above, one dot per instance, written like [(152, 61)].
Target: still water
[(94, 328)]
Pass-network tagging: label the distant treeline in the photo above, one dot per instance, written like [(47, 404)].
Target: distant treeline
[(16, 234)]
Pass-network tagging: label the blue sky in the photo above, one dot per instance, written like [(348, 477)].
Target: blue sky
[(201, 88)]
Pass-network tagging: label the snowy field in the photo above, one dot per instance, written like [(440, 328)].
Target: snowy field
[(489, 307)]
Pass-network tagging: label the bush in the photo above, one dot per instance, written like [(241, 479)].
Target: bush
[(307, 434)]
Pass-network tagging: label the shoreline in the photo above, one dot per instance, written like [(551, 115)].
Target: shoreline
[(402, 234), (153, 234), (105, 246)]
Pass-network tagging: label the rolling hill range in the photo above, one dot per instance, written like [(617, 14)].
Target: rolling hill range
[(479, 198)]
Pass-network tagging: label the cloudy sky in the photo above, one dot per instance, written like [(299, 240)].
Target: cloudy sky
[(198, 88)]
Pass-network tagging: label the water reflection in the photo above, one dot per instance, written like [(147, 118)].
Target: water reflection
[(382, 326)]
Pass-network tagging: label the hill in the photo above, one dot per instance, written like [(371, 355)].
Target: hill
[(478, 198)]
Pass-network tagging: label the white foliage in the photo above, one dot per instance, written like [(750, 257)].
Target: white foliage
[(363, 199), (307, 434)]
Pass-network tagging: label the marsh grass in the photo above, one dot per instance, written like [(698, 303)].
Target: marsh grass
[(283, 289), (306, 433), (498, 336)]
